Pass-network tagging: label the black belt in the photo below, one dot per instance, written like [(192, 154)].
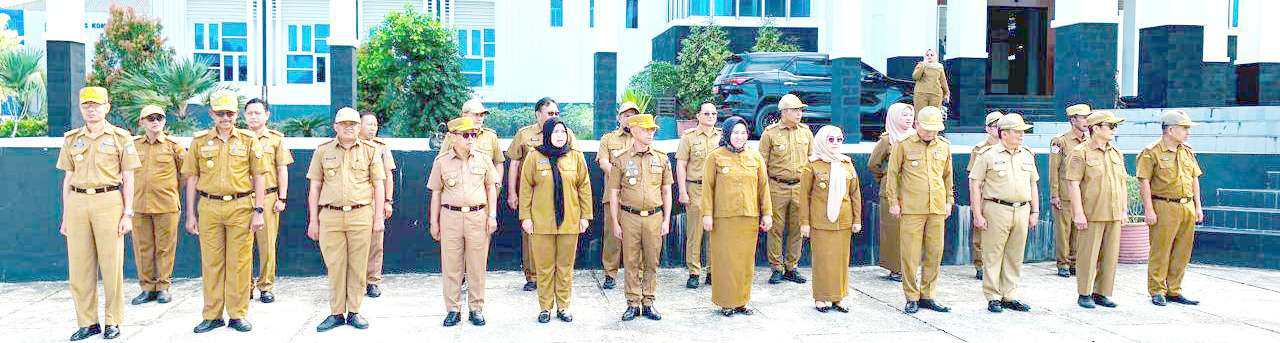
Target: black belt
[(640, 212), (273, 190), (696, 182), (1010, 204), (95, 190), (347, 208), (785, 182), (1175, 200), (224, 197), (464, 209)]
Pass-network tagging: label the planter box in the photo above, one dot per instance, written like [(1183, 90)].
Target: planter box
[(1135, 243)]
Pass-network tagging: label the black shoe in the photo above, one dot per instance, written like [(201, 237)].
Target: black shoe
[(564, 316), (86, 332), (476, 318), (331, 322), (693, 282), (1073, 271), (978, 274), (1015, 305), (530, 286), (609, 283), (208, 325), (994, 306), (110, 332), (775, 278), (357, 321), (630, 314), (267, 297), (895, 277), (651, 313), (793, 276), (836, 306), (1182, 300), (744, 311), (240, 325), (933, 305), (823, 309), (143, 298), (163, 297), (372, 291), (912, 307), (1101, 300), (727, 312), (1064, 272), (544, 317), (1084, 301), (708, 278), (1158, 300), (452, 318)]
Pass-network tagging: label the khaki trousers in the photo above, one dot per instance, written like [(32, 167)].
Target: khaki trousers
[(155, 238), (1171, 241), (921, 237), (464, 252), (786, 221), (94, 246), (1005, 240), (376, 242), (226, 256), (1065, 236), (1096, 262), (266, 241), (642, 241), (921, 100), (555, 255), (890, 258), (611, 252), (694, 235), (344, 243)]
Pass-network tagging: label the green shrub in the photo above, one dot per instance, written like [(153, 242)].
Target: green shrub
[(506, 121), (27, 127)]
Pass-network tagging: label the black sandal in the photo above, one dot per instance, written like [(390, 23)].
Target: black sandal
[(836, 306), (744, 310), (727, 312)]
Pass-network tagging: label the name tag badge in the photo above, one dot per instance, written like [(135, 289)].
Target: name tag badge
[(915, 163), (1003, 173), (78, 144), (631, 181)]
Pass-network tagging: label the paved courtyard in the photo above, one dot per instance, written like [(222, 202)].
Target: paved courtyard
[(1238, 304)]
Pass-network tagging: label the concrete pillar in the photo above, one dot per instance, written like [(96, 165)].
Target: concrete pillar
[(65, 36), (1085, 56), (916, 26), (1258, 57), (605, 66), (966, 60), (342, 54), (1170, 53), (844, 39), (1218, 74)]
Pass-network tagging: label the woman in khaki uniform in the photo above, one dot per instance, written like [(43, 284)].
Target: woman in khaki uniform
[(931, 82), (897, 126), (830, 202), (556, 176), (735, 204)]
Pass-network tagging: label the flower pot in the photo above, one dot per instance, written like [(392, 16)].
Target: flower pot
[(1135, 243)]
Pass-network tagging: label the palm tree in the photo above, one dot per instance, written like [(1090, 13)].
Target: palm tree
[(22, 82), (304, 126), (170, 84)]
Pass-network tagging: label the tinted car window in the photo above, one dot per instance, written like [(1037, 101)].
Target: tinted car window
[(761, 65), (814, 68)]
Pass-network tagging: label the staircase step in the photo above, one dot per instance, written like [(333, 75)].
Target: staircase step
[(1237, 247), (1251, 198), (1246, 218), (1273, 180)]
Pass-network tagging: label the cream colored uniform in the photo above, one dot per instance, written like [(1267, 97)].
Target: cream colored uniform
[(346, 204), (1006, 176), (464, 225)]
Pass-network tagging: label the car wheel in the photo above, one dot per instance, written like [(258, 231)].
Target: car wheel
[(767, 115)]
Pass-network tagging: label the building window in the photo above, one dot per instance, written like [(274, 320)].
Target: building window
[(633, 16), (726, 8), (799, 8), (308, 56), (477, 56), (699, 7), (225, 48), (557, 13), (775, 8), (591, 12)]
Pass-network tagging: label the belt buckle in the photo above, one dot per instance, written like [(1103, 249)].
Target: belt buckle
[(346, 208), (91, 191), (1182, 200), (226, 198), (644, 213), (466, 209)]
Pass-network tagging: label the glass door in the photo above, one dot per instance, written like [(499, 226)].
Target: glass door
[(1016, 38)]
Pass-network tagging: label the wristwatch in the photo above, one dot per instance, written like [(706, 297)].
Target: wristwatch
[(257, 210)]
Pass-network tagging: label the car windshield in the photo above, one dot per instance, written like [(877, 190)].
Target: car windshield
[(762, 65)]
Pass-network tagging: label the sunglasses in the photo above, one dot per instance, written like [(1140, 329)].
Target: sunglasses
[(155, 118), (835, 140), (1112, 126), (553, 114), (224, 114), (468, 134)]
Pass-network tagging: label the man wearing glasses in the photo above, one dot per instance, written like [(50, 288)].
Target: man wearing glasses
[(369, 132), (278, 158), (156, 201), (691, 155), (1096, 176)]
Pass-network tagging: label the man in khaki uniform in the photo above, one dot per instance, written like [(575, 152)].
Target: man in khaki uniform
[(1170, 186), (527, 139), (785, 146), (155, 226), (1003, 190), (463, 215), (639, 186), (486, 138), (99, 160), (691, 154), (224, 167), (1064, 235), (993, 131), (919, 190), (343, 202), (1099, 203), (369, 132), (278, 158), (613, 145)]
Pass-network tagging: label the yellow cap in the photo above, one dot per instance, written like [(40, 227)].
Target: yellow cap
[(643, 121), (1099, 117), (1177, 117), (790, 101), (930, 118), (224, 100), (97, 95), (1079, 110), (1013, 121), (347, 114), (462, 124), (628, 106), (993, 117), (474, 106), (151, 109)]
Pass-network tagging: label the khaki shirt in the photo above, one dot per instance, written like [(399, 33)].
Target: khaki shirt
[(1059, 148), (486, 143), (1006, 175), (814, 184), (919, 176), (1173, 170), (1104, 191), (224, 167), (347, 174), (640, 178), (274, 154), (388, 160), (613, 144), (878, 161), (536, 183), (735, 185), (461, 181), (97, 160), (156, 184), (527, 139), (977, 150), (694, 147), (930, 80), (785, 150)]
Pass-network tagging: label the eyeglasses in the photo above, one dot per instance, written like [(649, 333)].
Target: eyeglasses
[(835, 140), (553, 114), (154, 118), (1112, 126), (224, 114), (468, 134)]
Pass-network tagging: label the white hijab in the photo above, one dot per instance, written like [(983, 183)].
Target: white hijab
[(838, 185)]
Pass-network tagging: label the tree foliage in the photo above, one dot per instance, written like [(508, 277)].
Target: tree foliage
[(409, 71), (702, 55), (770, 39), (167, 83), (659, 78), (130, 42)]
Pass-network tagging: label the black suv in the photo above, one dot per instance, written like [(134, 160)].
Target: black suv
[(751, 84)]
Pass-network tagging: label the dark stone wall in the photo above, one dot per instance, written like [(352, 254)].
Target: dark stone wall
[(846, 95), (967, 78), (1219, 85), (1170, 71), (1085, 65), (667, 44), (900, 67), (66, 70), (1258, 84), (342, 82), (604, 94)]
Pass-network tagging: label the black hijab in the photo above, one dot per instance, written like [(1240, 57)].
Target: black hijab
[(727, 127), (554, 153)]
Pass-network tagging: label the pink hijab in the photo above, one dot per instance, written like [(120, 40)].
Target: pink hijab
[(898, 121), (823, 150)]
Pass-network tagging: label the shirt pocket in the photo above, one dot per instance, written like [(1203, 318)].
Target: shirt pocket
[(822, 180), (1093, 167), (207, 155), (78, 155), (451, 179), (331, 164), (360, 169), (1164, 162), (914, 161)]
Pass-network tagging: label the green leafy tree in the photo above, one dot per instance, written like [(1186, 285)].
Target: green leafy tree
[(770, 39), (129, 43), (659, 78), (312, 126), (167, 83), (409, 71), (22, 82), (8, 38), (702, 55)]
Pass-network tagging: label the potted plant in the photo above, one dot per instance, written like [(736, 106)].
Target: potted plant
[(1135, 236)]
